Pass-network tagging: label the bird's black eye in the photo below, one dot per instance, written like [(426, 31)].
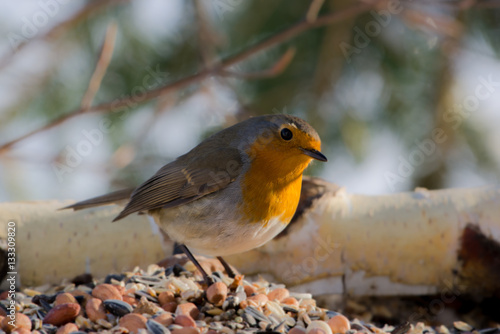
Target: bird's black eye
[(286, 134)]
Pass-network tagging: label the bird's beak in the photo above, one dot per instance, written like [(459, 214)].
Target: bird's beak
[(315, 154)]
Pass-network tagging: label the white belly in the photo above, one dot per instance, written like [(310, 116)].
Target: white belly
[(237, 239), (215, 231)]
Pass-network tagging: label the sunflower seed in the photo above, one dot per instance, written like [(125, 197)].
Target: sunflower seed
[(331, 314), (258, 315), (174, 327), (462, 326), (117, 307), (288, 308), (156, 328), (49, 329), (146, 295), (147, 280)]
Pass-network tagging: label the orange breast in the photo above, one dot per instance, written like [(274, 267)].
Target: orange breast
[(271, 187)]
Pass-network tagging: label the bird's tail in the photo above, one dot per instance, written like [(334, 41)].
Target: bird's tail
[(111, 198)]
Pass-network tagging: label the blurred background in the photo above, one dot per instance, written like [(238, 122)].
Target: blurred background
[(403, 93)]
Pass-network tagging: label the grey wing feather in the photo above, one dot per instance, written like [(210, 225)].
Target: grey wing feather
[(111, 198), (183, 181)]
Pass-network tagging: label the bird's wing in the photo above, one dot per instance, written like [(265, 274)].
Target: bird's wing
[(184, 180), (111, 198)]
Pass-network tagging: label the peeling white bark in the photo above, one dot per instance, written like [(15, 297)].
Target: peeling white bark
[(52, 245), (378, 245), (398, 244)]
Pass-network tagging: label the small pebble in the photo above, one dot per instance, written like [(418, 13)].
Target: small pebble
[(217, 293), (62, 314), (95, 309), (21, 321), (20, 330), (164, 318), (186, 330), (166, 297), (316, 326), (278, 294), (130, 300), (316, 331), (259, 300), (188, 309), (66, 329), (250, 290), (184, 321), (106, 291), (339, 324), (170, 307), (291, 301), (133, 322), (64, 298), (141, 302)]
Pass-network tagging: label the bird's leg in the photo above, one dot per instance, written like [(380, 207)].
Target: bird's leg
[(230, 272), (177, 249), (209, 280)]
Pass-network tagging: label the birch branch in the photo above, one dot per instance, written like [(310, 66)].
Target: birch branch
[(421, 242)]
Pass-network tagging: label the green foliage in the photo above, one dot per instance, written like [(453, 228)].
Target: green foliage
[(398, 81)]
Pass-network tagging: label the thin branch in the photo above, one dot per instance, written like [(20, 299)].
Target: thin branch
[(280, 37), (101, 66), (297, 29), (275, 70), (437, 24), (206, 36), (313, 11), (91, 8)]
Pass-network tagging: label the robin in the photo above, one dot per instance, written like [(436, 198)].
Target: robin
[(233, 192)]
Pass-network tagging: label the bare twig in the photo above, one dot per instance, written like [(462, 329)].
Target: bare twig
[(313, 11), (275, 70), (297, 29), (101, 66), (447, 26), (280, 37), (91, 8), (206, 36)]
